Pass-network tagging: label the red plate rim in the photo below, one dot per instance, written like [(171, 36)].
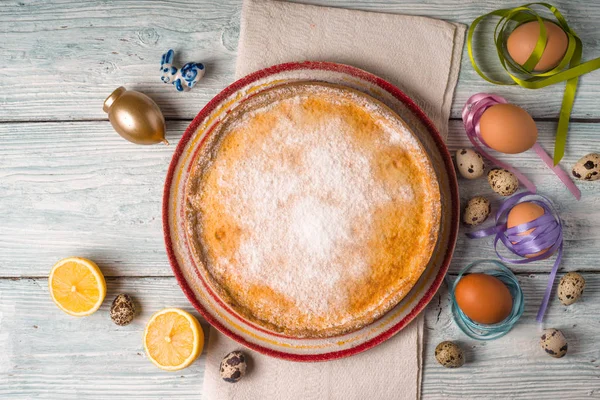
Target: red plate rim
[(327, 66)]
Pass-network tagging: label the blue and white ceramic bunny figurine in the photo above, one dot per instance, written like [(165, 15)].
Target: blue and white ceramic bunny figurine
[(185, 78)]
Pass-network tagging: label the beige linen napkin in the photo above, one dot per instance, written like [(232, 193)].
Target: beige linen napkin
[(389, 371), (421, 56)]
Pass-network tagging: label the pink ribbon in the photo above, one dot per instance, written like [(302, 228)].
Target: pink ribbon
[(471, 114)]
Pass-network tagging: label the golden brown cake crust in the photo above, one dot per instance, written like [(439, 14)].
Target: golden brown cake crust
[(312, 209)]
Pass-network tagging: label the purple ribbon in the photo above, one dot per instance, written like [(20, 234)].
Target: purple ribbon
[(471, 114), (546, 236)]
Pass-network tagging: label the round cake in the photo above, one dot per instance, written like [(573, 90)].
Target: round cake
[(312, 209)]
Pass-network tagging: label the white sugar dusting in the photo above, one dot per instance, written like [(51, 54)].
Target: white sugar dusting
[(305, 201), (316, 226)]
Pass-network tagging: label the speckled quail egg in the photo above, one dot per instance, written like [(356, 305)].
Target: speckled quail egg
[(449, 355), (476, 211), (122, 310), (570, 288), (469, 163), (588, 167), (233, 367), (503, 182), (554, 343)]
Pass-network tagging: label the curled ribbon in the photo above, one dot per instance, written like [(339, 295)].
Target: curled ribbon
[(546, 237), (572, 58), (471, 114)]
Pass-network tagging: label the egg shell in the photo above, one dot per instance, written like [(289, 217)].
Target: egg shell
[(469, 163), (449, 355), (233, 367), (503, 182), (477, 211), (483, 298), (587, 168), (570, 288), (554, 343), (508, 128), (523, 213), (521, 43)]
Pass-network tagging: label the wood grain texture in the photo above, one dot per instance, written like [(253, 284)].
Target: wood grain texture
[(51, 355), (62, 59), (514, 366), (80, 189), (77, 188), (580, 218)]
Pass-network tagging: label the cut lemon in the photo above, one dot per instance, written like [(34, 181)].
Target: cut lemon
[(77, 286), (173, 339)]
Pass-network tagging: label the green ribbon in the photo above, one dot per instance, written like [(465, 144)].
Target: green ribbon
[(537, 80)]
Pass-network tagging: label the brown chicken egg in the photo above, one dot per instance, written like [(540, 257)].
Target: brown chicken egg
[(523, 213), (523, 39), (483, 298), (508, 129)]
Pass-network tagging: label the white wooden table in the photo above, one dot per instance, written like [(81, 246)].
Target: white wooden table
[(69, 185)]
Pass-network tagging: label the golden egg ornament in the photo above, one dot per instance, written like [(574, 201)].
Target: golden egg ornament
[(135, 117)]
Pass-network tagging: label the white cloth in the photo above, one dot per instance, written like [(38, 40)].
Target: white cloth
[(389, 371), (422, 57)]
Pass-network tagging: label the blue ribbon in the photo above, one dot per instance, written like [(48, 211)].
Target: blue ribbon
[(493, 331)]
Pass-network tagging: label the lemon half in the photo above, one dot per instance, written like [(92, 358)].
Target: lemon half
[(77, 286), (173, 339)]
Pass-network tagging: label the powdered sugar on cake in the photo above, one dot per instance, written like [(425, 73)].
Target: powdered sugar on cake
[(312, 209), (304, 214)]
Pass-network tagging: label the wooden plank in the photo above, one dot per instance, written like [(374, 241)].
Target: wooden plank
[(62, 58), (79, 189), (579, 218), (514, 366), (49, 354), (540, 103)]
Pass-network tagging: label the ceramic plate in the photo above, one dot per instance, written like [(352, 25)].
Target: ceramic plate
[(224, 318)]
